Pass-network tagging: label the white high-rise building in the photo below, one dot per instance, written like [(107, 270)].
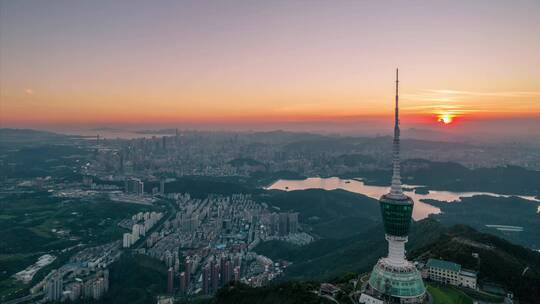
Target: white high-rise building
[(54, 288), (126, 241)]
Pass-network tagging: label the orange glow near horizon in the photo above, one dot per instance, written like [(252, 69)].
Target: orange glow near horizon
[(94, 117), (446, 118), (261, 62)]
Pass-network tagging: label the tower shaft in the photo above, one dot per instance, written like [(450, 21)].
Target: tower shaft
[(395, 189), (393, 276)]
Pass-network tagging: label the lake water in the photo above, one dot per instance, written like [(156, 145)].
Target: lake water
[(421, 210)]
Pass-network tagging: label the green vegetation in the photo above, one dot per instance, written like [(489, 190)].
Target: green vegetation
[(350, 230), (482, 296), (482, 210), (240, 162), (455, 177), (44, 160), (267, 178), (10, 289), (136, 280), (448, 295), (330, 214), (421, 190), (12, 263), (37, 223), (285, 293), (40, 221), (328, 259), (29, 136), (499, 261)]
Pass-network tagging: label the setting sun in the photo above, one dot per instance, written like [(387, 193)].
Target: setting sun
[(445, 118)]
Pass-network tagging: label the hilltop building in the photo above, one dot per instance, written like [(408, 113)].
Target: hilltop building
[(394, 279), (450, 273)]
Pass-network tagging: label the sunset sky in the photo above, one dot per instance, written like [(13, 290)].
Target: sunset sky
[(167, 62)]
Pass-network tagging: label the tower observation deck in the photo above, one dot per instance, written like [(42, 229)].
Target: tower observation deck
[(394, 279)]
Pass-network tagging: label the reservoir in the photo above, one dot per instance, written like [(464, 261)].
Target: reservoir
[(421, 210)]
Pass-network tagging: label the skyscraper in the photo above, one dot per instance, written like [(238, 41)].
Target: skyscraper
[(206, 280), (394, 279), (126, 241), (283, 223), (187, 267), (215, 276), (223, 269), (293, 222), (54, 288), (228, 272), (162, 186), (183, 285), (135, 186), (121, 165), (236, 273), (170, 280)]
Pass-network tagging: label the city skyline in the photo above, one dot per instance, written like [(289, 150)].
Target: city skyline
[(195, 64), (261, 152)]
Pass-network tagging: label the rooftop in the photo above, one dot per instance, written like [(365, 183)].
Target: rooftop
[(441, 264), (468, 273)]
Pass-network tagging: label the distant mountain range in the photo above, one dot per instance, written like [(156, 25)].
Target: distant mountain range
[(108, 129), (157, 132), (29, 136)]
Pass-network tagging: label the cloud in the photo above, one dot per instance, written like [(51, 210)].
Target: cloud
[(454, 108), (445, 100), (456, 93)]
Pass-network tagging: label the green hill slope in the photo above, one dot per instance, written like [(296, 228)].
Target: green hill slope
[(515, 267), (286, 293), (330, 258)]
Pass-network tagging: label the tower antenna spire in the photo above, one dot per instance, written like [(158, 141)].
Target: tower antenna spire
[(395, 189), (393, 277)]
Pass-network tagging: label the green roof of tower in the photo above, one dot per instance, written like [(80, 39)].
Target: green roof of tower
[(441, 264)]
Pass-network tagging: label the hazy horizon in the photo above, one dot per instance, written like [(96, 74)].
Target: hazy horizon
[(267, 151), (508, 130), (247, 64)]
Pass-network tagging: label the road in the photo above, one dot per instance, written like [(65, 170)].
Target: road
[(24, 299)]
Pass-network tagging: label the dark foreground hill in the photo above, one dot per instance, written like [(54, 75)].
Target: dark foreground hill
[(515, 268), (484, 213), (451, 176), (285, 293), (139, 279), (328, 258)]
